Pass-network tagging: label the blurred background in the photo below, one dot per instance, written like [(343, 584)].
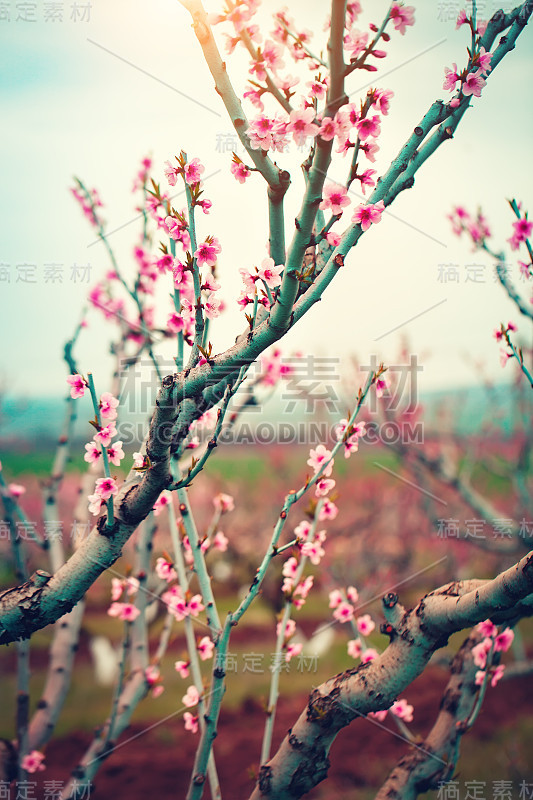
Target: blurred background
[(90, 92)]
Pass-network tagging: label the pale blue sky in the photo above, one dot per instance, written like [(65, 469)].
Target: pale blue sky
[(72, 105)]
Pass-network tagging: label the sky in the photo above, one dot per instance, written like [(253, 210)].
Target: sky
[(92, 94)]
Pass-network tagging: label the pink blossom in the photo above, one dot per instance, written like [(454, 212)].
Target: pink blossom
[(522, 230), (369, 127), (254, 96), (365, 624), (355, 648), (175, 323), (152, 674), (205, 205), (220, 542), (403, 710), (195, 605), (240, 171), (191, 722), (106, 488), (335, 197), (77, 384), (115, 453), (380, 716), (287, 585), (193, 171), (239, 16), (329, 128), (328, 511), (474, 83), (138, 460), (504, 640), (483, 60), (191, 697), (210, 284), (303, 588), (105, 434), (117, 587), (108, 406), (157, 690), (451, 77), (487, 628), (461, 19), (480, 677), (402, 16), (343, 612), (266, 133), (480, 652), (162, 501), (504, 358), (352, 594), (212, 307), (318, 460), (93, 453), (290, 628), (382, 98), (382, 384), (370, 149), (355, 42), (177, 229), (272, 53), (367, 179), (223, 502), (369, 655), (207, 253), (171, 173), (132, 585), (205, 648), (183, 668), (313, 551), (95, 503), (293, 650), (270, 273), (165, 570), (497, 674), (351, 445), (333, 239), (366, 215), (290, 568), (301, 125), (318, 88), (16, 489), (324, 487), (33, 762), (302, 529), (125, 611)]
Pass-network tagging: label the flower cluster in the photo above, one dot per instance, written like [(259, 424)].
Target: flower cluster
[(33, 762), (267, 278), (522, 229), (123, 609), (476, 228), (89, 202), (181, 606), (492, 643), (273, 368), (472, 79), (350, 435)]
